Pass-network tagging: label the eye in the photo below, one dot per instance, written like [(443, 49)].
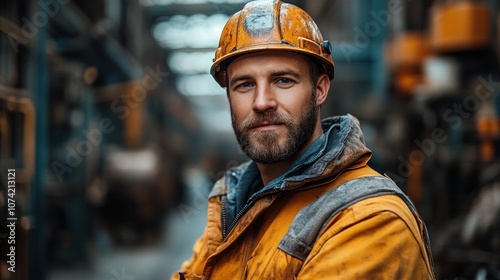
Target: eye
[(285, 82), (244, 86)]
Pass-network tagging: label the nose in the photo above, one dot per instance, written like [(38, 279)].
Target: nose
[(265, 99)]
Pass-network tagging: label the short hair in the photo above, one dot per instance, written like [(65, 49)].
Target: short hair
[(314, 69)]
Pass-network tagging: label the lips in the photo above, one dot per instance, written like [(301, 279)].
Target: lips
[(266, 126)]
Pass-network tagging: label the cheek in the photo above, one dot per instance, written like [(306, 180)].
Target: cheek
[(240, 106), (236, 111), (296, 102)]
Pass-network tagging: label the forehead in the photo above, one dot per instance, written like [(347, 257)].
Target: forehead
[(269, 61)]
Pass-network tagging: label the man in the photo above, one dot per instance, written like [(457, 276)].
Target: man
[(306, 206)]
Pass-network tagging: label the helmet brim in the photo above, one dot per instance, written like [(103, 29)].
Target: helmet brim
[(218, 69)]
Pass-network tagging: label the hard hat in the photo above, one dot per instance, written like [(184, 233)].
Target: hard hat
[(270, 25)]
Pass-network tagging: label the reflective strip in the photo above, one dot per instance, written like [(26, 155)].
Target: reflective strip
[(311, 219)]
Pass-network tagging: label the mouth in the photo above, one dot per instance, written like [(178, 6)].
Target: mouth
[(266, 126)]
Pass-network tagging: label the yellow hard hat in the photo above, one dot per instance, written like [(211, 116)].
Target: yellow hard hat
[(270, 25)]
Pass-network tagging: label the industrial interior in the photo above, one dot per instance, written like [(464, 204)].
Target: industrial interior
[(117, 131)]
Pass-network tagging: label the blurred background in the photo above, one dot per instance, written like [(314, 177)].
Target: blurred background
[(116, 130)]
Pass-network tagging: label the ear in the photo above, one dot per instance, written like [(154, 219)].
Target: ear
[(322, 87)]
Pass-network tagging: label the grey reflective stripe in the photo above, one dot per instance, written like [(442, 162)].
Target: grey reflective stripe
[(311, 219)]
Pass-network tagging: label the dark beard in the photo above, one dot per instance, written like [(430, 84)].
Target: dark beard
[(298, 135)]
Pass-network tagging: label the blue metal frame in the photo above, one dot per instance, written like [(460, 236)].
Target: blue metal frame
[(37, 83)]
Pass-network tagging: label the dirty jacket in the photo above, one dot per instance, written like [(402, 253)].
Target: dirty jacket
[(379, 237)]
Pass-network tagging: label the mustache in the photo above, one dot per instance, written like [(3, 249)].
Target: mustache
[(271, 117)]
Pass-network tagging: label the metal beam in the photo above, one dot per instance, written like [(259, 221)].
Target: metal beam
[(38, 81), (77, 37)]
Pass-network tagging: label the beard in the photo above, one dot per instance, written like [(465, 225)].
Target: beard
[(264, 146)]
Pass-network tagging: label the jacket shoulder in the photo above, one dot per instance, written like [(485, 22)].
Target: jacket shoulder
[(313, 218), (376, 238)]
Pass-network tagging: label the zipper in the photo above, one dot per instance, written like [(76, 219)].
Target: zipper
[(223, 211)]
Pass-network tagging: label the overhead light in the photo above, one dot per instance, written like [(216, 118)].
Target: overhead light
[(195, 31), (189, 2), (198, 85), (190, 62), (170, 2)]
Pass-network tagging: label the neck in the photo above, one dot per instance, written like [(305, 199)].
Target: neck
[(271, 171)]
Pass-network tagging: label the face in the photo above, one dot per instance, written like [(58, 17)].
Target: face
[(274, 105)]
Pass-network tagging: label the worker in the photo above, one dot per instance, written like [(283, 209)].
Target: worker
[(306, 205)]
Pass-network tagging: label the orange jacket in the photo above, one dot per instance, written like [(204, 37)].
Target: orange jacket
[(375, 238)]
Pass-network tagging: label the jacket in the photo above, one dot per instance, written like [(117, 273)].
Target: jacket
[(276, 232)]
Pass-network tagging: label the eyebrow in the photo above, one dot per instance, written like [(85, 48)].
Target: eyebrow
[(273, 74), (286, 72)]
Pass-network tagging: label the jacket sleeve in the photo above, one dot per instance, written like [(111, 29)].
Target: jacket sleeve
[(369, 241)]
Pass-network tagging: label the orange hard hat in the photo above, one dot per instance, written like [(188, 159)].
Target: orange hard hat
[(270, 25)]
